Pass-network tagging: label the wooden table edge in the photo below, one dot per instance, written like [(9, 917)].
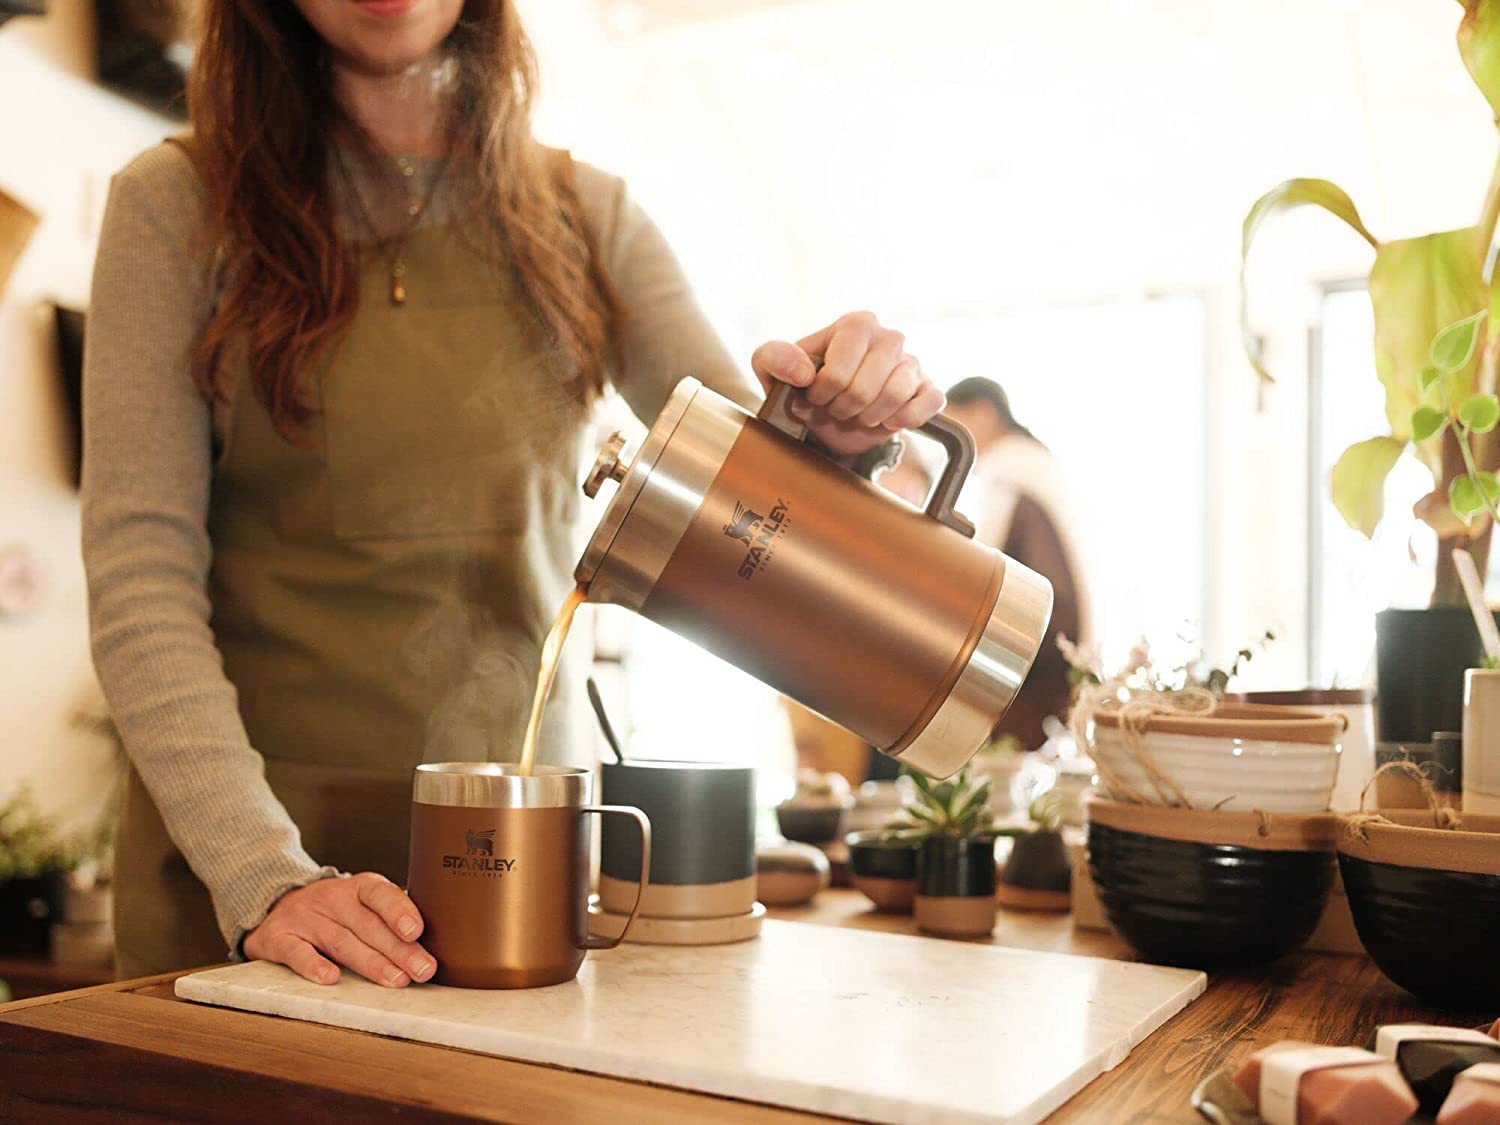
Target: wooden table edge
[(131, 985), (562, 1088)]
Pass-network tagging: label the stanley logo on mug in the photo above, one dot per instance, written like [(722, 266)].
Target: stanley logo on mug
[(479, 856), (759, 534)]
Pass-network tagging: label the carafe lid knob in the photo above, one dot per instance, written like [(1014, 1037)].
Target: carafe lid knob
[(607, 466)]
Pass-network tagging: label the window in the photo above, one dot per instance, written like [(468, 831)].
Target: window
[(1351, 578), (1116, 389)]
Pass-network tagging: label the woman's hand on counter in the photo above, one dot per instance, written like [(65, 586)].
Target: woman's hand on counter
[(867, 387), (363, 922)]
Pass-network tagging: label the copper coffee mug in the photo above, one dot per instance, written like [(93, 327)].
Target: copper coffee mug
[(499, 869)]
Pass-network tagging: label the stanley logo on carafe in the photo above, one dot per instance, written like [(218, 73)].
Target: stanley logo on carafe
[(759, 535), (887, 620)]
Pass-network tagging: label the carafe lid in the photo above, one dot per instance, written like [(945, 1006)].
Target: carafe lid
[(633, 480)]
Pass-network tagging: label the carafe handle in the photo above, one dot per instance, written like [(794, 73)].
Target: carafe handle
[(593, 941), (952, 436)]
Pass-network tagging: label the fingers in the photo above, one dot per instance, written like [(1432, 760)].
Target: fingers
[(386, 899), (928, 401), (783, 362), (299, 955), (902, 386), (885, 353), (353, 921), (342, 944), (372, 929), (844, 350), (867, 385)]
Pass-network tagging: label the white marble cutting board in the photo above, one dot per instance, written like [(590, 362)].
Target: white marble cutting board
[(883, 1027)]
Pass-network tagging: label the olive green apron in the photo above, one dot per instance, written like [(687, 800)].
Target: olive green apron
[(380, 593)]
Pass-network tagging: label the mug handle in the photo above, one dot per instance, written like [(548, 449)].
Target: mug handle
[(952, 436), (591, 941)]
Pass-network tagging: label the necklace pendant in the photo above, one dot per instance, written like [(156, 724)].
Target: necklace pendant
[(398, 288)]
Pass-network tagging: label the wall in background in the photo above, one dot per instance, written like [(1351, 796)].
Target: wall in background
[(60, 140)]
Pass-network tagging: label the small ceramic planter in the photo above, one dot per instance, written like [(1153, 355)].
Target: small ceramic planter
[(1481, 760), (955, 891), (1244, 757), (811, 823), (885, 873), (1210, 890), (1038, 875), (789, 873), (1425, 901), (1357, 745)]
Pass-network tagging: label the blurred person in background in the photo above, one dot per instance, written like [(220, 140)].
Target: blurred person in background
[(1026, 512)]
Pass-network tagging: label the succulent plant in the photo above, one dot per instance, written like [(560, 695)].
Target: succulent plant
[(957, 809), (817, 788)]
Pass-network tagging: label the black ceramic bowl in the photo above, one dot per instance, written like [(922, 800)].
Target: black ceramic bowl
[(810, 824), (886, 874), (1432, 931), (1207, 905)]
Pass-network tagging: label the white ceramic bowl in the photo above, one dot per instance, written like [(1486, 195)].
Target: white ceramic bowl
[(1219, 763)]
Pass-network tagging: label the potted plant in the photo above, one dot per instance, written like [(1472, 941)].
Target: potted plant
[(1438, 364), (34, 864), (814, 812), (1000, 761), (1038, 875), (883, 869), (952, 828)]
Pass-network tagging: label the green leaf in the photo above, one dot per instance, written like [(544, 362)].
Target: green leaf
[(1358, 481), (1429, 376), (1453, 347), (1426, 421), (1286, 196), (972, 804), (1479, 44), (1419, 286), (1465, 495), (1480, 413)]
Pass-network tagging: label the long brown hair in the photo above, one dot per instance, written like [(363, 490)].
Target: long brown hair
[(264, 113)]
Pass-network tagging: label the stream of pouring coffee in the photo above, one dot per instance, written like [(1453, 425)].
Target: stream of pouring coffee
[(551, 651)]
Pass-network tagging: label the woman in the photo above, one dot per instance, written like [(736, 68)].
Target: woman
[(1026, 512), (342, 349)]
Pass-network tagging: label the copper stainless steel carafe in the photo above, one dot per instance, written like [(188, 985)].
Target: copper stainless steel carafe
[(890, 621)]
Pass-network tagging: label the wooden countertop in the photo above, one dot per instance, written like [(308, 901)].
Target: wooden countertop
[(133, 1048)]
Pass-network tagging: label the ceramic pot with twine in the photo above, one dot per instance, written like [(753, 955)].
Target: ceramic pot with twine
[(1187, 715)]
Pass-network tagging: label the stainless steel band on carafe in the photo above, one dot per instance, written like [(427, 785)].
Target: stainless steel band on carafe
[(890, 621)]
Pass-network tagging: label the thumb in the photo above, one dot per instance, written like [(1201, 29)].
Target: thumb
[(783, 362)]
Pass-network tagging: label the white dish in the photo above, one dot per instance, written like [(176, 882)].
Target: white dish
[(1232, 774)]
